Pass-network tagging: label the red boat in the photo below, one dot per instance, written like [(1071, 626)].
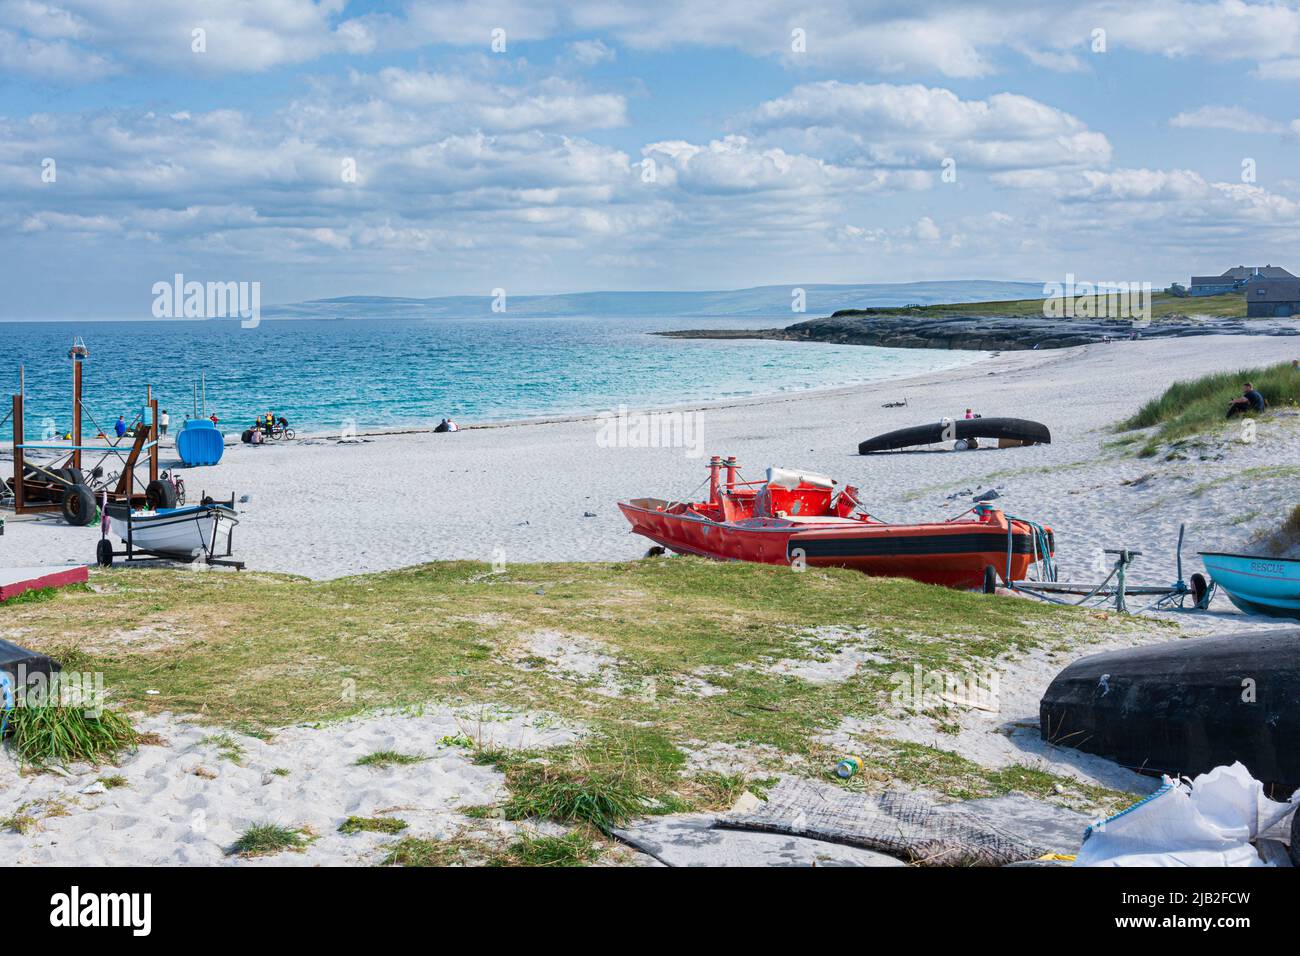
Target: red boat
[(793, 517)]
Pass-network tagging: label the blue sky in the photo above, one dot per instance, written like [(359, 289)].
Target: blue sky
[(624, 145)]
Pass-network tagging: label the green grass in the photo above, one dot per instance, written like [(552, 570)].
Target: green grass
[(228, 748), (572, 849), (1163, 306), (389, 758), (37, 595), (113, 781), (49, 734), (1285, 539), (1198, 406), (264, 839), (261, 651), (604, 797), (372, 825)]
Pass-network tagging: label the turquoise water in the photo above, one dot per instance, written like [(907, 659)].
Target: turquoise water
[(323, 375)]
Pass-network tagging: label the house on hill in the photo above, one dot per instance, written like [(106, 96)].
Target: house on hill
[(1271, 298), (1235, 279)]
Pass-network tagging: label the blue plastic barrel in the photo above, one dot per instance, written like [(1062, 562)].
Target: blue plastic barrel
[(200, 443)]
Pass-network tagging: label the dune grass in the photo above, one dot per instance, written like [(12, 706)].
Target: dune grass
[(372, 825), (389, 758), (44, 735), (572, 849), (1198, 406), (257, 650), (264, 839)]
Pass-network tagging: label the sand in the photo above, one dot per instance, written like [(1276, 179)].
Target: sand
[(518, 493), (547, 492)]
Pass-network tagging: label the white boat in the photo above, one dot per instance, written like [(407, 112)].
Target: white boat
[(183, 533)]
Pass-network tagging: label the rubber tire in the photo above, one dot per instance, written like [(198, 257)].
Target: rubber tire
[(79, 506), (104, 553), (75, 476), (160, 494), (1200, 587), (990, 579)]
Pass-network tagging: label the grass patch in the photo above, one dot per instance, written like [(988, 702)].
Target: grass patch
[(45, 735), (21, 823), (40, 595), (113, 781), (271, 650), (372, 825), (602, 797), (1197, 406), (1285, 540), (228, 748), (264, 839), (572, 849), (389, 758)]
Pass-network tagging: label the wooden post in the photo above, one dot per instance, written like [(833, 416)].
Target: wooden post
[(76, 411), (18, 454), (153, 437)]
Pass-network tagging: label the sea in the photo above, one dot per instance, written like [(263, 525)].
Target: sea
[(336, 375)]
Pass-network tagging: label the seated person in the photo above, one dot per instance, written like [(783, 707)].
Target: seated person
[(1251, 400), (442, 427)]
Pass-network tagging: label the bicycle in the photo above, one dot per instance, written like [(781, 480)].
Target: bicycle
[(177, 483), (282, 432)]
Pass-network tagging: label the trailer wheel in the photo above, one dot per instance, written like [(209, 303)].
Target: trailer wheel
[(160, 494), (1200, 590), (78, 506), (104, 553), (990, 579)]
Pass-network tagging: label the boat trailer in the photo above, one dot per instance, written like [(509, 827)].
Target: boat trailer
[(61, 484), (1115, 588), (216, 511)]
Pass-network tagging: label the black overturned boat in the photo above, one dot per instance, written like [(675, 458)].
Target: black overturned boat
[(1020, 430), (1186, 707)]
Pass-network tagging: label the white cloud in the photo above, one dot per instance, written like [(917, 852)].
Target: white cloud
[(591, 52), (1227, 117), (915, 125)]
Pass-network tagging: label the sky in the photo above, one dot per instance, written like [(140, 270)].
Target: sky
[(422, 148)]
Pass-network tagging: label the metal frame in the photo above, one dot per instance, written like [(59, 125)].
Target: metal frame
[(132, 553), (145, 443), (1167, 596)]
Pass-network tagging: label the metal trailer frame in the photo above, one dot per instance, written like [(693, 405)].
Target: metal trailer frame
[(133, 552), (145, 444), (1166, 597)]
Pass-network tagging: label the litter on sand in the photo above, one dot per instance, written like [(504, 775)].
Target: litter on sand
[(1221, 818)]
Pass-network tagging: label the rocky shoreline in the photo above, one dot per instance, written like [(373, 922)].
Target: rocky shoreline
[(988, 333)]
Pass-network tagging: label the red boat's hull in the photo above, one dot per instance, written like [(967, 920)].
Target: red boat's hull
[(954, 554)]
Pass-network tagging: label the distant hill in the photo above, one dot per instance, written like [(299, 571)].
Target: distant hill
[(774, 301)]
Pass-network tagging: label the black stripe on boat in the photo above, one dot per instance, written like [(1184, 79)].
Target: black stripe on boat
[(821, 547)]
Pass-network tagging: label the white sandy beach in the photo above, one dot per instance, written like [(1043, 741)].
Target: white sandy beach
[(325, 508), (520, 493)]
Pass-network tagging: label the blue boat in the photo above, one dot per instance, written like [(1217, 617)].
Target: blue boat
[(1257, 584), (200, 443)]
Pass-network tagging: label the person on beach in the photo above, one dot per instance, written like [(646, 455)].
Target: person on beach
[(163, 421), (119, 427), (213, 418), (970, 413), (1251, 400)]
